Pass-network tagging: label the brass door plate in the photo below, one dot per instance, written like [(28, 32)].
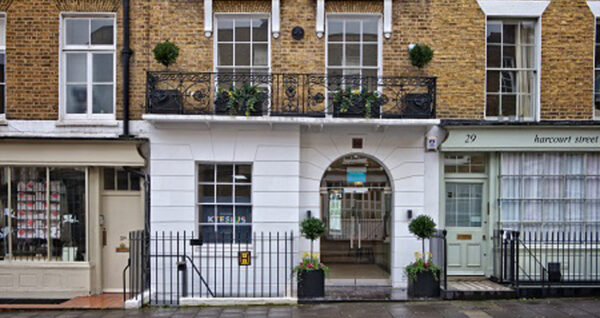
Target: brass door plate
[(464, 237)]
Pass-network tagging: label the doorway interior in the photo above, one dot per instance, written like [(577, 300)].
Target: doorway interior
[(356, 205)]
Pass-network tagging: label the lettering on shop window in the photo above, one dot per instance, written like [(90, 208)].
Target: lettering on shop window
[(566, 139)]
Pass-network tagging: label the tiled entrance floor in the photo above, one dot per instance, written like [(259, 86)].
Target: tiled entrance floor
[(104, 301)]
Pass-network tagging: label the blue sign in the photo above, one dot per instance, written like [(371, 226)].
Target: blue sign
[(356, 174)]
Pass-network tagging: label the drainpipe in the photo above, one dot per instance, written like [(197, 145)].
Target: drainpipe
[(126, 53)]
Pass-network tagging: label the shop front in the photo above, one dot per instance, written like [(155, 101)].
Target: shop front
[(60, 202), (540, 184)]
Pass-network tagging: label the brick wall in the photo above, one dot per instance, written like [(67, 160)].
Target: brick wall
[(455, 29)]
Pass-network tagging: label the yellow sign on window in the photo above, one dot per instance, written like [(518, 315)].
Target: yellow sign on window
[(245, 258)]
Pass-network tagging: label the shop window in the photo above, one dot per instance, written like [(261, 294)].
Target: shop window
[(121, 180), (225, 202), (511, 69), (464, 163), (44, 214), (88, 67), (550, 191)]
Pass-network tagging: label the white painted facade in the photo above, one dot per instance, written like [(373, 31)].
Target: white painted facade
[(288, 161)]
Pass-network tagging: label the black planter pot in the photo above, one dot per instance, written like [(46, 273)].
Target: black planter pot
[(355, 111), (425, 285), (311, 284)]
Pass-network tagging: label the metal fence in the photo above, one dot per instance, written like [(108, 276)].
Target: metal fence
[(257, 265), (438, 248), (275, 94), (138, 267), (547, 258)]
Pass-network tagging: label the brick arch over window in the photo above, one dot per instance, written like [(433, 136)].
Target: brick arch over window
[(5, 4), (237, 6), (86, 5)]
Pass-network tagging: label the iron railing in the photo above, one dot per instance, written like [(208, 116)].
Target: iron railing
[(547, 258), (289, 95), (438, 248), (138, 267), (257, 265)]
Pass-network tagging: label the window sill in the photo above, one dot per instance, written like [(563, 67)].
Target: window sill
[(87, 123), (3, 121)]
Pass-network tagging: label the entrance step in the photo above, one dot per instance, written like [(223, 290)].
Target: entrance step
[(473, 288)]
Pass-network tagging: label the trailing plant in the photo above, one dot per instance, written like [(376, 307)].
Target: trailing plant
[(166, 53), (345, 99), (420, 265), (240, 100), (420, 55)]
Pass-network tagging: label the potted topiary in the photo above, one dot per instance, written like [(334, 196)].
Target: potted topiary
[(310, 271), (166, 53), (246, 100), (423, 274), (420, 55), (166, 100), (357, 103)]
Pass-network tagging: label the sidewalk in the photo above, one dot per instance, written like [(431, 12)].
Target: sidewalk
[(564, 307)]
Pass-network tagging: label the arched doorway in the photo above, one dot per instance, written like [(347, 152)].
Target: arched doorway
[(356, 206)]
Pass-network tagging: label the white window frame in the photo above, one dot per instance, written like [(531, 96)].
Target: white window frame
[(536, 94), (358, 17), (89, 50), (234, 16), (198, 203), (3, 51)]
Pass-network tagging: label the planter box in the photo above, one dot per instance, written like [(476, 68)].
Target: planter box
[(311, 284), (425, 285), (356, 111), (221, 109)]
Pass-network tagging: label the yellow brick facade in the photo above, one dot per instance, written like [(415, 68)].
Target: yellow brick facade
[(455, 29)]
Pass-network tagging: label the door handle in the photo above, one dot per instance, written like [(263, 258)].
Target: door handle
[(103, 236), (483, 237)]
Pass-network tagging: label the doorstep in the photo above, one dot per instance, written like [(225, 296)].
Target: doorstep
[(475, 288), (104, 301)]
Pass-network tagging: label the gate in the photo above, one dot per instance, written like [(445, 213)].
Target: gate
[(180, 265)]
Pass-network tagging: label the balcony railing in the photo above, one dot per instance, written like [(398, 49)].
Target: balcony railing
[(312, 95)]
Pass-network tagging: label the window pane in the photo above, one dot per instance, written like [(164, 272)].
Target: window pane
[(225, 214), (260, 55), (4, 251), (509, 58), (353, 31), (225, 193), (2, 98), (493, 55), (67, 214), (103, 99), (509, 81), (509, 33), (109, 178), (2, 31), (527, 59), (134, 182), (242, 193), (103, 68), (122, 180), (335, 54), (494, 33), (206, 173), (493, 81), (102, 31), (225, 173), (206, 193), (225, 30), (225, 233), (242, 54), (225, 54), (509, 105), (370, 30), (78, 31), (597, 86), (208, 234), (76, 67), (492, 104), (352, 55), (28, 199), (243, 174), (207, 214), (260, 30), (2, 67), (243, 215), (370, 55), (527, 33), (76, 99), (242, 30), (243, 234), (597, 56), (335, 30)]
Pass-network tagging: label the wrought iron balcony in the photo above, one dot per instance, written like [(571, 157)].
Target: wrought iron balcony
[(313, 95)]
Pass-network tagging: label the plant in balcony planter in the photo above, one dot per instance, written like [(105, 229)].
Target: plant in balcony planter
[(420, 55), (245, 100), (423, 274), (166, 53), (310, 271), (357, 103)]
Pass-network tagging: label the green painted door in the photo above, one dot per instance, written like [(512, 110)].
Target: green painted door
[(466, 222)]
